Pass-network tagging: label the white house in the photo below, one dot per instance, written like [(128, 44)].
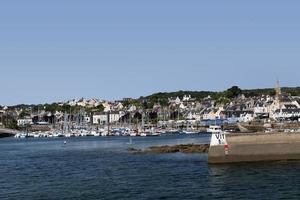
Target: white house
[(119, 106), (218, 113), (193, 115), (92, 103), (186, 98), (102, 118), (24, 121), (208, 114), (177, 101), (182, 106), (72, 102), (173, 100), (82, 102), (246, 117), (260, 108), (132, 108), (286, 113), (106, 106)]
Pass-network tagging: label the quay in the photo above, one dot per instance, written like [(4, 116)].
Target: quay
[(5, 132), (256, 147)]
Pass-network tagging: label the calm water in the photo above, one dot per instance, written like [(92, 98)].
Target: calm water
[(101, 168)]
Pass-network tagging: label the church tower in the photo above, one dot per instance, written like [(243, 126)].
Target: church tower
[(278, 91), (278, 96)]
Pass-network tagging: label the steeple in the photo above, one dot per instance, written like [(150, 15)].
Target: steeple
[(278, 90), (278, 95)]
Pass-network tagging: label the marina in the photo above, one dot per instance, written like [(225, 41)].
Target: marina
[(101, 132), (149, 100)]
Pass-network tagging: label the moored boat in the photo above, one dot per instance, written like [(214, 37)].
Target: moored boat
[(214, 129)]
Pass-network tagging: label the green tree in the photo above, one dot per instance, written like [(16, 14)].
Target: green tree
[(233, 92), (52, 107), (99, 108), (23, 113)]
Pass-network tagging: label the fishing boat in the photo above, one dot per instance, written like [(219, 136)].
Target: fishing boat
[(173, 131), (188, 132), (20, 135), (133, 134), (214, 129), (104, 133)]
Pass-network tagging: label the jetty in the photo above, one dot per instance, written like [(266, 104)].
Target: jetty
[(252, 147), (5, 132)]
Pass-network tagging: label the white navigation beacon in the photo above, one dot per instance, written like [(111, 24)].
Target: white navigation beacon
[(219, 139)]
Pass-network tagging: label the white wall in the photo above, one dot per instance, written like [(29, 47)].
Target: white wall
[(103, 118), (22, 122)]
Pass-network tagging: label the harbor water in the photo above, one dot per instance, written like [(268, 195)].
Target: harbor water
[(102, 168)]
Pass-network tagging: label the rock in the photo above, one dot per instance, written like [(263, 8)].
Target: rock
[(134, 150), (183, 148)]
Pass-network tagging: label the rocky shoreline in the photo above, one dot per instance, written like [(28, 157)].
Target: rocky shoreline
[(182, 148)]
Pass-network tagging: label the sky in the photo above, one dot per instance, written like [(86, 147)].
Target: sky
[(57, 50)]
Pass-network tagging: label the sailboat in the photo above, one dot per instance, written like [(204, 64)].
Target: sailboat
[(130, 141), (142, 131), (189, 130)]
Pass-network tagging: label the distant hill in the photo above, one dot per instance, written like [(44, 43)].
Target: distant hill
[(162, 97), (180, 94), (230, 93), (294, 91)]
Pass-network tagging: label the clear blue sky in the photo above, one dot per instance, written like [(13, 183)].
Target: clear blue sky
[(57, 50)]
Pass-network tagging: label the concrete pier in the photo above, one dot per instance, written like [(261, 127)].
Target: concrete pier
[(256, 147)]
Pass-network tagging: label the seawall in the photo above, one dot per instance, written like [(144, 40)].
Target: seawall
[(256, 147)]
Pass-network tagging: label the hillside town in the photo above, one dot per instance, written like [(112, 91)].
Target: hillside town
[(184, 113)]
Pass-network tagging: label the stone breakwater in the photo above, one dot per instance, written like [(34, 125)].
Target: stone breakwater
[(257, 147), (182, 148)]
